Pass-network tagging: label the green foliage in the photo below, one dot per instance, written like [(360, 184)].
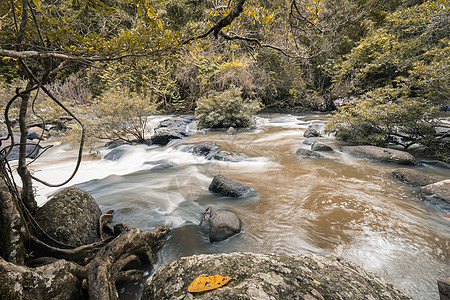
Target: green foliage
[(386, 115), (225, 109), (121, 114)]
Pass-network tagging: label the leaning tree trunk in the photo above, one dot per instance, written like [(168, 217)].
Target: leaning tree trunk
[(27, 186)]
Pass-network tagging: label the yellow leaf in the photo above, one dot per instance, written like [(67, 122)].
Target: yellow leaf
[(203, 283)]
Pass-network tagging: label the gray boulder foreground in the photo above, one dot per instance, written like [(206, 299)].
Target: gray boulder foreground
[(71, 217), (269, 276), (227, 187), (223, 224), (381, 154)]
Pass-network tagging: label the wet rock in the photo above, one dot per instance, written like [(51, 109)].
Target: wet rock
[(444, 288), (381, 154), (32, 148), (114, 144), (161, 164), (163, 136), (223, 224), (307, 153), (115, 154), (318, 146), (269, 276), (71, 217), (204, 149), (311, 132), (309, 141), (227, 187), (227, 156), (438, 193), (171, 129), (412, 177), (231, 131), (35, 133)]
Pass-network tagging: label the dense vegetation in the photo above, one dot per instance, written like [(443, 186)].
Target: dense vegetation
[(391, 56)]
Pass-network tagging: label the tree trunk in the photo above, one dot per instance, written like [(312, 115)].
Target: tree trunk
[(27, 187), (12, 231)]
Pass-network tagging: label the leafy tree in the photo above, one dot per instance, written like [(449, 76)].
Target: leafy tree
[(225, 109)]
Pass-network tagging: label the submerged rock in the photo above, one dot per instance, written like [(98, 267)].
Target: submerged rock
[(223, 224), (71, 217), (309, 141), (204, 149), (227, 187), (308, 153), (438, 193), (318, 146), (269, 276), (381, 154), (412, 177), (161, 164), (115, 154)]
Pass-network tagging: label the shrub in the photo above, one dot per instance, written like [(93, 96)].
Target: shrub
[(386, 115), (225, 109), (121, 114)]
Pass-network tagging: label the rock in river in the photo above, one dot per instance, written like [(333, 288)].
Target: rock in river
[(438, 193), (224, 224), (71, 217), (381, 154), (412, 177), (227, 187), (269, 276), (307, 153), (311, 132), (318, 146), (170, 129)]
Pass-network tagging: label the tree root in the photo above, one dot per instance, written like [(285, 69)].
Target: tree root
[(113, 263), (106, 269)]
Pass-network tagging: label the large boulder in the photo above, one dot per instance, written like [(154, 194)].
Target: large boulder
[(171, 129), (223, 224), (381, 154), (269, 276), (438, 193), (227, 187), (412, 177), (71, 217), (308, 153), (163, 136)]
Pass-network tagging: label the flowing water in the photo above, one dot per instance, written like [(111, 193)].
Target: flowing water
[(340, 204)]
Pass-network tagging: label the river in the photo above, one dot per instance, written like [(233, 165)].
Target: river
[(341, 205)]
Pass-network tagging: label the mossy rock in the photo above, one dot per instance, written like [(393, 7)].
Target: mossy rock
[(71, 217), (269, 276)]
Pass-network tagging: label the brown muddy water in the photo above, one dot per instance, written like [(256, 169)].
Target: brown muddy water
[(341, 204)]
